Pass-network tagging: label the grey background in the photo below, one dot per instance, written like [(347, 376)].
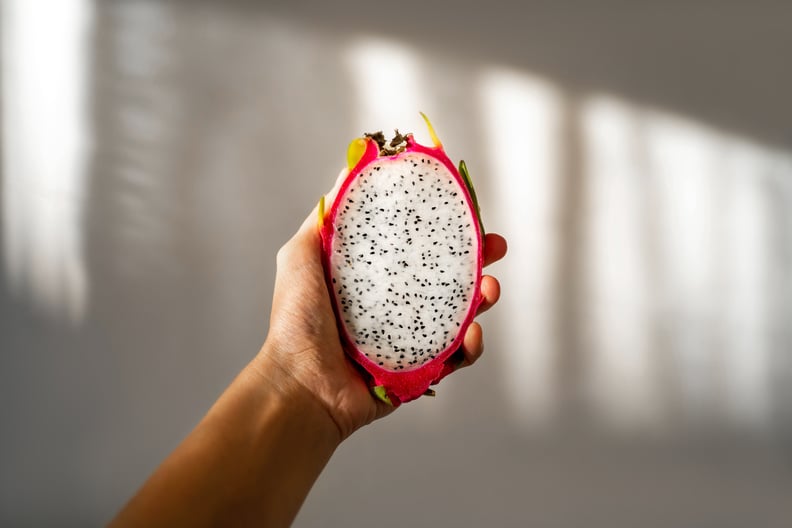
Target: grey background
[(210, 131)]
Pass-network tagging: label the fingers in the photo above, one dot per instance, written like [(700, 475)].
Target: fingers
[(303, 245), (472, 345), (494, 248), (490, 293), (473, 342)]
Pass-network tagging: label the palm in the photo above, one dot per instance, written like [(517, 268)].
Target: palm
[(303, 319)]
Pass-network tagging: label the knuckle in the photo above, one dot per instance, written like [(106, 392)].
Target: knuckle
[(282, 257)]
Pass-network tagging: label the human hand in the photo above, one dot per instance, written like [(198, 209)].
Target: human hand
[(254, 456), (303, 343)]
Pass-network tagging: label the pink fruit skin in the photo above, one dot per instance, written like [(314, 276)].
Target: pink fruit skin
[(403, 386)]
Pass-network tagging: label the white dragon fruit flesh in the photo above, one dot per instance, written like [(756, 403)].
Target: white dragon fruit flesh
[(402, 246)]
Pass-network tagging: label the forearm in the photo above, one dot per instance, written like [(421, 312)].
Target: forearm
[(251, 460)]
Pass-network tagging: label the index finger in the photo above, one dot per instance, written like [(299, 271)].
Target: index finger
[(494, 248)]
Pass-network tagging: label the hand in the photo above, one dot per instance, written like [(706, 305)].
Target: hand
[(303, 341), (256, 453)]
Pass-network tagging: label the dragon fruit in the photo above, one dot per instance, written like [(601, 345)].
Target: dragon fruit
[(402, 247)]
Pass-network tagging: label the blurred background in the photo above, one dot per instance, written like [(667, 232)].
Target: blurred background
[(638, 372)]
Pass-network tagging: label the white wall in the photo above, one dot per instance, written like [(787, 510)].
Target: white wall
[(156, 155)]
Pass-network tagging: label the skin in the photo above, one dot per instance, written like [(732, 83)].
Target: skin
[(255, 455)]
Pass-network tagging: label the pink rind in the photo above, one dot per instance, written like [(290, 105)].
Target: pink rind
[(404, 386)]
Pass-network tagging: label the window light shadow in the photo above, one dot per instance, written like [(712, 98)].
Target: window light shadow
[(521, 120), (44, 153)]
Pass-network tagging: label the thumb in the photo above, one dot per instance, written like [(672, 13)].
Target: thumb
[(312, 220)]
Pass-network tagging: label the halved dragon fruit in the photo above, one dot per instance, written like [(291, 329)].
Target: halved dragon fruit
[(402, 246)]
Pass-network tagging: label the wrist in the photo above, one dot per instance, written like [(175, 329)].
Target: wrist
[(282, 385), (276, 430)]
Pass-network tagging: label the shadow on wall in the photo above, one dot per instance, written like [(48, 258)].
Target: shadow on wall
[(646, 284)]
